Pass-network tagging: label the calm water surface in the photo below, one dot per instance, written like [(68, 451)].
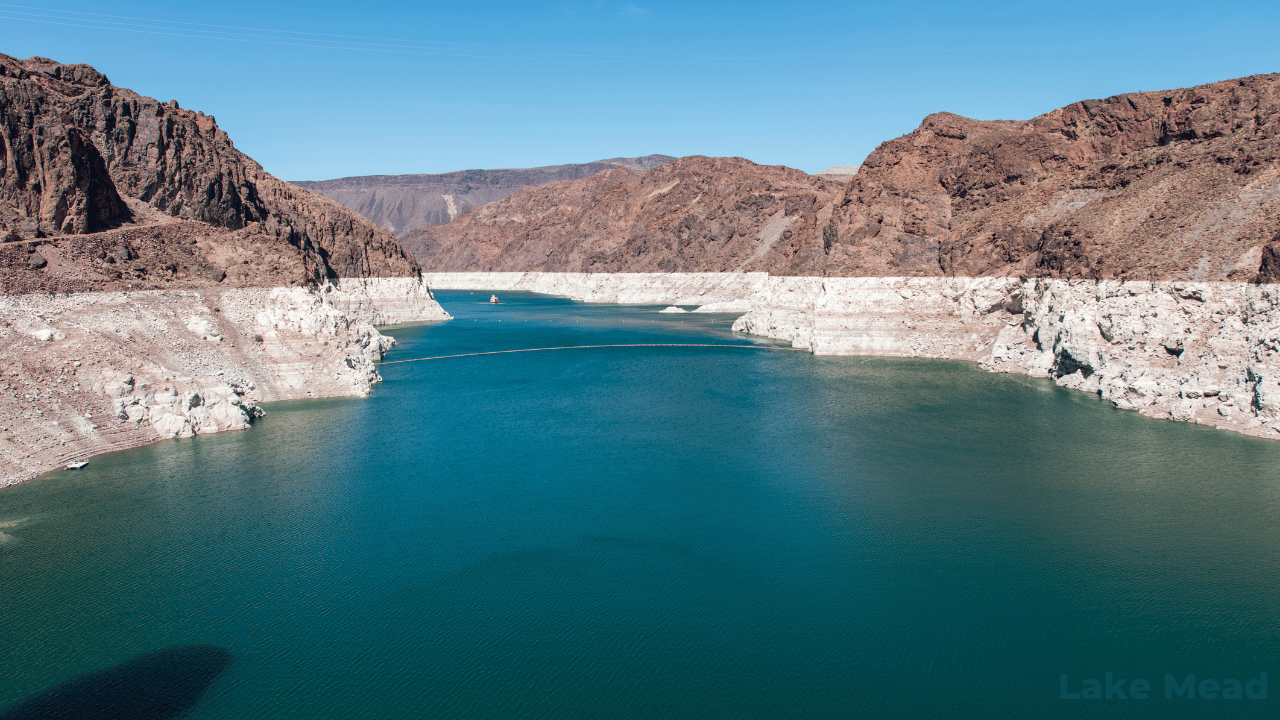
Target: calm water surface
[(660, 532)]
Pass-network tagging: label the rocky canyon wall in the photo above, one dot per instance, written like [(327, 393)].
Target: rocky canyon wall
[(79, 155), (1126, 246), (713, 292), (157, 282)]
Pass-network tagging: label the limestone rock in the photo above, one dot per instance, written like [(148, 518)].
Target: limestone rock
[(127, 368), (204, 328), (168, 424)]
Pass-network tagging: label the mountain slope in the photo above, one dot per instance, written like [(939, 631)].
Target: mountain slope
[(695, 214), (1175, 184), (1178, 184), (402, 203), (82, 156)]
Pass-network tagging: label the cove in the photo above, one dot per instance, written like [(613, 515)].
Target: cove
[(659, 532)]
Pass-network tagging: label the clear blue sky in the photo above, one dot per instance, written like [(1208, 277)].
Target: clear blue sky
[(317, 90)]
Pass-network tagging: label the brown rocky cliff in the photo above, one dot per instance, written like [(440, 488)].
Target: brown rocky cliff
[(52, 174), (76, 148), (694, 214), (1180, 184)]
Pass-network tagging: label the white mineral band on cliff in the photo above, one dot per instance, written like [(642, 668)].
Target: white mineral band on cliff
[(90, 373), (1205, 352)]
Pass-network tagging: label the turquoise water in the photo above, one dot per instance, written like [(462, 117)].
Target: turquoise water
[(660, 532)]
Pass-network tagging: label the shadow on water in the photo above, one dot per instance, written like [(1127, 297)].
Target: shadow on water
[(160, 684)]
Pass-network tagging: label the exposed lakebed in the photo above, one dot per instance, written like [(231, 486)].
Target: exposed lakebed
[(659, 532)]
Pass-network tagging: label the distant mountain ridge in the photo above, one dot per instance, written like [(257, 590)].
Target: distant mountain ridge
[(402, 203), (697, 214)]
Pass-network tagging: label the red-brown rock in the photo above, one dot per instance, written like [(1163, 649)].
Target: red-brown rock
[(694, 214), (77, 150), (1179, 184)]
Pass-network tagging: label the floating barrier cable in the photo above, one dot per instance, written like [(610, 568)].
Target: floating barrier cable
[(587, 347)]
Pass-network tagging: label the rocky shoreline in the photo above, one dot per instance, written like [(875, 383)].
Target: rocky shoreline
[(1203, 352), (96, 372), (91, 373)]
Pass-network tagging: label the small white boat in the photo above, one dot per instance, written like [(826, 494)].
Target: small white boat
[(76, 465), (493, 298)]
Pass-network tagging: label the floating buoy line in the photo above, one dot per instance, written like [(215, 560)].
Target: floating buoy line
[(588, 347)]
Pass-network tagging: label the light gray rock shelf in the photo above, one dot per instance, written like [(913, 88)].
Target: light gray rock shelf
[(1206, 352), (96, 372)]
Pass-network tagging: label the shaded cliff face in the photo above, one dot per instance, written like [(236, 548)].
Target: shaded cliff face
[(403, 203), (697, 214), (1181, 185), (82, 156)]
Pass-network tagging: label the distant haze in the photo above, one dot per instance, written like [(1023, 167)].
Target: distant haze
[(401, 203), (839, 170)]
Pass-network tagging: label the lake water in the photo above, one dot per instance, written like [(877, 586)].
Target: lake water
[(660, 532)]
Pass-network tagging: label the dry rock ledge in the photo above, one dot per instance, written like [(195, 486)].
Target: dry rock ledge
[(1203, 352), (95, 372)]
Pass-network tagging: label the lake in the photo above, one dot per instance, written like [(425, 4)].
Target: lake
[(660, 532)]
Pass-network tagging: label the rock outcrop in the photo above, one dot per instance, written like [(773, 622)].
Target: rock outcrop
[(1171, 185), (94, 372), (80, 155), (1204, 352), (1194, 352), (697, 214), (403, 203)]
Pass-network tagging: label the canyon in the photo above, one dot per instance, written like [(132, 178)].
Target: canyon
[(158, 283), (1125, 247)]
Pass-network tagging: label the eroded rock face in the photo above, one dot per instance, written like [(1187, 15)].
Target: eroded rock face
[(76, 148), (53, 176), (1186, 351), (403, 203), (697, 214), (1172, 185), (1177, 184), (101, 371)]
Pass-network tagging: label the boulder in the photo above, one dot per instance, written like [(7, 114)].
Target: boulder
[(168, 424)]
